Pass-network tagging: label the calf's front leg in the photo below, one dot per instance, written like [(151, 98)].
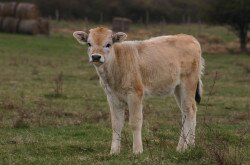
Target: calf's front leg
[(135, 120), (117, 119)]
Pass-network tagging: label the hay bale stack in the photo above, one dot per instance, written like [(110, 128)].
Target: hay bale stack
[(8, 9), (27, 11), (32, 26), (22, 18), (28, 27), (44, 27), (9, 24)]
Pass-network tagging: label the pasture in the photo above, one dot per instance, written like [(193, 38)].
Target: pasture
[(53, 110)]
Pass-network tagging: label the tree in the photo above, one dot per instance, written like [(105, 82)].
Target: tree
[(235, 13)]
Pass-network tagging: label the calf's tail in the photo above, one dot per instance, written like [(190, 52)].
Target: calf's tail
[(198, 92)]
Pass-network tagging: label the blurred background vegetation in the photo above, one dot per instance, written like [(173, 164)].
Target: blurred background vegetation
[(235, 13), (137, 10), (174, 11)]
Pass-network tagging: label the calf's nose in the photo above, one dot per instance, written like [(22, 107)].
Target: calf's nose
[(96, 58)]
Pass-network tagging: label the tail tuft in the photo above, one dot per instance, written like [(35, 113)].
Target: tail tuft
[(198, 93)]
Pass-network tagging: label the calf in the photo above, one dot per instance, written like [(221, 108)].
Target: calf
[(130, 70)]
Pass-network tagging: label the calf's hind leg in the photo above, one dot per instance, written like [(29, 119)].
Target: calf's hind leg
[(185, 95)]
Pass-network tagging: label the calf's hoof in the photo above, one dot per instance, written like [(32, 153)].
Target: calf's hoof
[(138, 151), (182, 147), (114, 151)]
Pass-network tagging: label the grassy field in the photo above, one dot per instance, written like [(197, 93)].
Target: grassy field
[(53, 111)]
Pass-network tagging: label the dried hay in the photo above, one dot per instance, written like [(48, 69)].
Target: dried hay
[(28, 27), (33, 26), (27, 11), (10, 24), (22, 18), (8, 9), (234, 47), (214, 48), (121, 24), (209, 39), (231, 47), (212, 44)]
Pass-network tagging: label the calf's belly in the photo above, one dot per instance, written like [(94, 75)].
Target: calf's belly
[(160, 90)]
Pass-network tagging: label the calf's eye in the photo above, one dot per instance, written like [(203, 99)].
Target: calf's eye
[(108, 45), (89, 44)]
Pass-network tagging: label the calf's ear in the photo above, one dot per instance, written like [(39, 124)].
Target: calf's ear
[(119, 37), (81, 36)]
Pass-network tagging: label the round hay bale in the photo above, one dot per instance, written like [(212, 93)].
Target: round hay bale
[(44, 26), (27, 11), (121, 24), (9, 24), (8, 9), (28, 27)]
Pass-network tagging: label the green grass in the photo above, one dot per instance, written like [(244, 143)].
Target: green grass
[(72, 126)]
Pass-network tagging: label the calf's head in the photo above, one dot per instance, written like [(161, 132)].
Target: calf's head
[(100, 41)]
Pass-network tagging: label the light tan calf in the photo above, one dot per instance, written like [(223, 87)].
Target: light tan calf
[(130, 70)]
